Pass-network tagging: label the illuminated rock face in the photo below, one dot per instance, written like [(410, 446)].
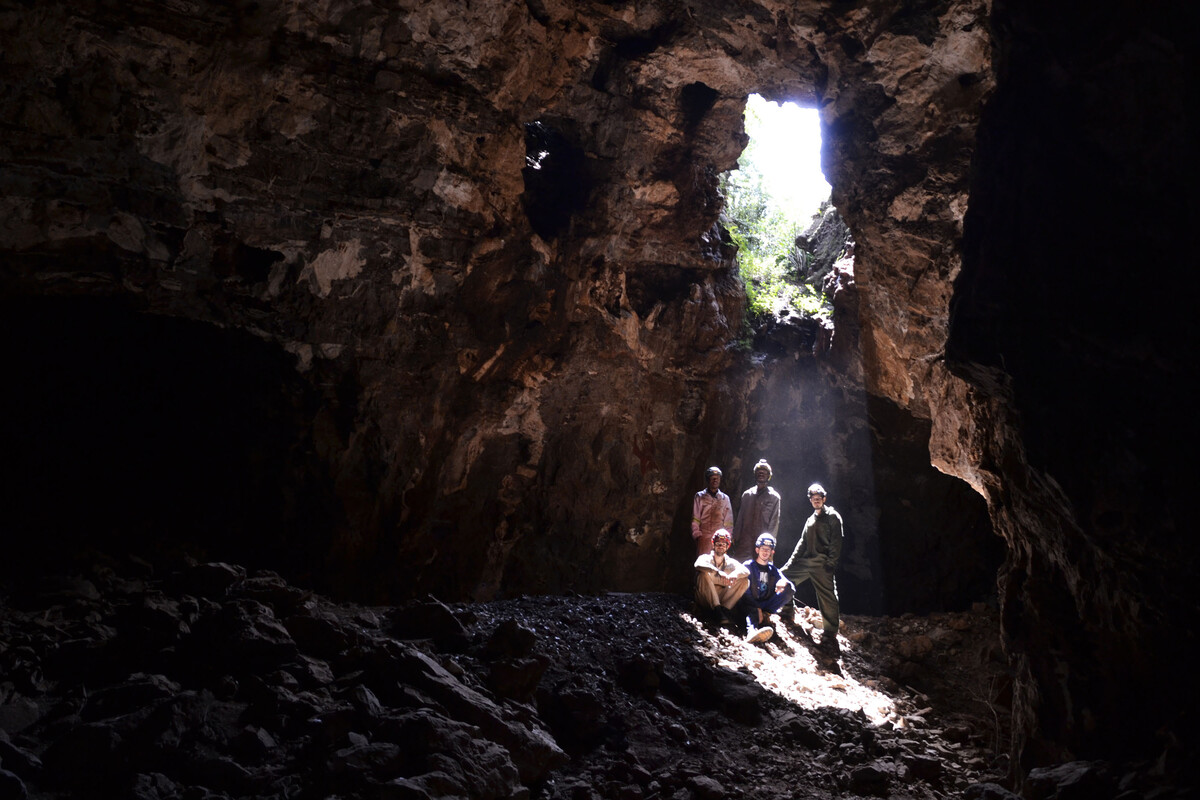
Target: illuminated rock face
[(485, 240), (431, 298)]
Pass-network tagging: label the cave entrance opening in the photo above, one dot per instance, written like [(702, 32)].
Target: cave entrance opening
[(916, 540), (774, 201)]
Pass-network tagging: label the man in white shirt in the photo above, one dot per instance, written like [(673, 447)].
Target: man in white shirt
[(720, 579)]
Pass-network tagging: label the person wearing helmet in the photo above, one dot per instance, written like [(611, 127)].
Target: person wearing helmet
[(711, 510), (720, 579), (816, 558), (758, 512), (767, 590)]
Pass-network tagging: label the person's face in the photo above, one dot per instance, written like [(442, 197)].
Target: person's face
[(714, 482), (720, 546), (765, 553), (762, 476), (817, 500)]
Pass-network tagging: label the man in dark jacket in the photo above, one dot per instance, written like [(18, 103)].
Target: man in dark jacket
[(768, 591), (816, 558)]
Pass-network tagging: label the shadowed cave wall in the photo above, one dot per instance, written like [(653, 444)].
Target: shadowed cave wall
[(1077, 375), (467, 380)]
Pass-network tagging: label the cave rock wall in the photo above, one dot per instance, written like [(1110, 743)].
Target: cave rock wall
[(484, 236), (917, 539), (480, 238), (1071, 415)]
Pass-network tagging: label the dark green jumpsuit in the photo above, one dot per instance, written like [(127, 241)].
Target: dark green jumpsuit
[(816, 558)]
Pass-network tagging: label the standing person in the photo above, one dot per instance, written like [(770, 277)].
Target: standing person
[(711, 511), (767, 592), (816, 558), (758, 512), (720, 579)]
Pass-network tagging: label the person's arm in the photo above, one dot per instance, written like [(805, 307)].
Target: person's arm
[(735, 572), (705, 564), (697, 508), (773, 522), (727, 521), (781, 582), (796, 550), (752, 588), (833, 553), (741, 522)]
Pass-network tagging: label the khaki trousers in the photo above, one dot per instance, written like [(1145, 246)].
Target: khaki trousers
[(709, 594)]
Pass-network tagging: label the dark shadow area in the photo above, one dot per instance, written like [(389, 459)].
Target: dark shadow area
[(937, 548), (696, 99), (1074, 307), (134, 433), (556, 180), (653, 285)]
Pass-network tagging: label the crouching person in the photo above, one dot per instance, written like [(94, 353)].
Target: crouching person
[(720, 580), (768, 590)]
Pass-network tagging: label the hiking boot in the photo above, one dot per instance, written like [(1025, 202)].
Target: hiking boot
[(722, 614), (755, 635)]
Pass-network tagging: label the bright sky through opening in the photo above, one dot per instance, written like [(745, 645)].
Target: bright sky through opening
[(787, 150)]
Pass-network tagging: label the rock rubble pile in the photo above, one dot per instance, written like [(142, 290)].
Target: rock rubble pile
[(209, 682), (213, 683)]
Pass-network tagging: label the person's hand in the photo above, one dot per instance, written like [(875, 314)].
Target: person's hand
[(780, 586)]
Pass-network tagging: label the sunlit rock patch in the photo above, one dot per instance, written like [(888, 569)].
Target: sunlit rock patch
[(790, 665)]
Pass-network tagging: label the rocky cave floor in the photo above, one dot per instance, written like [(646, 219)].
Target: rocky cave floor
[(204, 682)]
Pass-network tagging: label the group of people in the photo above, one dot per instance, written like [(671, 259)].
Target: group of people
[(755, 588)]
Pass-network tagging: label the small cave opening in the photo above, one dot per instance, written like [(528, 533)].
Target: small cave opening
[(696, 99), (251, 264), (556, 178)]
